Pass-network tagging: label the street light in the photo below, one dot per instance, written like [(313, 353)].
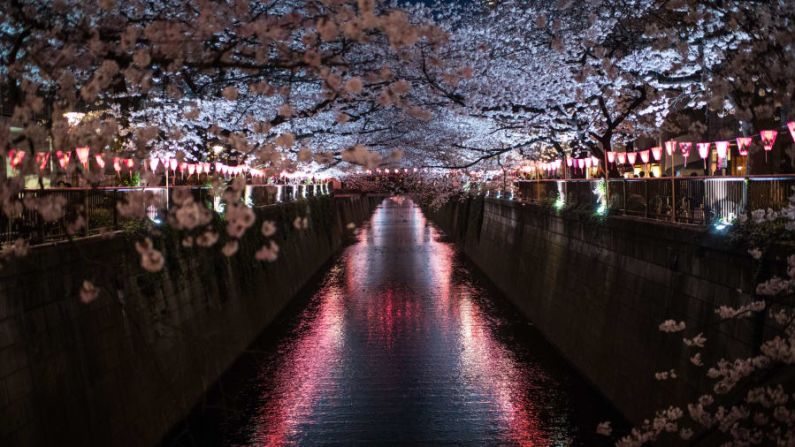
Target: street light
[(74, 118)]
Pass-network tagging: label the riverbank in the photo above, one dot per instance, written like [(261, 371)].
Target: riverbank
[(598, 290), (124, 369)]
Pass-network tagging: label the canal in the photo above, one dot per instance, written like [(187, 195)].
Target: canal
[(400, 342)]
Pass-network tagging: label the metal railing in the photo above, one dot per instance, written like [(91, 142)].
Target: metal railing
[(688, 200), (98, 208)]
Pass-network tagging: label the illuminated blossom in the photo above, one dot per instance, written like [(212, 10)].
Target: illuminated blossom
[(88, 292), (268, 228), (269, 252)]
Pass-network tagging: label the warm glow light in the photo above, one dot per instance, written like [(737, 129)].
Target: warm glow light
[(100, 161), (153, 162), (611, 157), (632, 157), (217, 149), (74, 118), (173, 163), (622, 158), (644, 156)]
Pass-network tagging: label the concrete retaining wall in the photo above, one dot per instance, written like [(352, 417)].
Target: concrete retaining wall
[(124, 369), (599, 290)]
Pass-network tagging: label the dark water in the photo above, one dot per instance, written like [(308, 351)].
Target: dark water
[(402, 343)]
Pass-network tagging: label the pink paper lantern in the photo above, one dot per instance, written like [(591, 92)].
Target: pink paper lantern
[(117, 165), (41, 160), (82, 155), (632, 157), (100, 161), (703, 152), (130, 163), (656, 152), (791, 127), (722, 148), (63, 158), (16, 157), (173, 163), (568, 161), (768, 139), (153, 162), (743, 143), (644, 156), (703, 149), (611, 157), (588, 162), (670, 147), (685, 148), (622, 158), (191, 169), (595, 161), (581, 163)]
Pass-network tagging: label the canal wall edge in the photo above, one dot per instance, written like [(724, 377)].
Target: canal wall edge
[(125, 368), (598, 290)]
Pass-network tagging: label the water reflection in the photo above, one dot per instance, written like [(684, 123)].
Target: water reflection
[(402, 345)]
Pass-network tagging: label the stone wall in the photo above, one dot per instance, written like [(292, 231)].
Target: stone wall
[(599, 289), (125, 368)]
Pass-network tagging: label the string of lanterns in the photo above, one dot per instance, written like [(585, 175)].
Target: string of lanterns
[(393, 171), (16, 158), (704, 149)]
